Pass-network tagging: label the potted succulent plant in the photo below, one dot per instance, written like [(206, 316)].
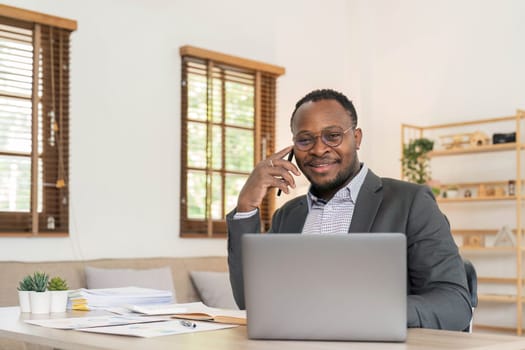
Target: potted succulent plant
[(58, 289), (40, 297), (25, 286)]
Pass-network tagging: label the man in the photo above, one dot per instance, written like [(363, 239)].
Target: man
[(346, 196)]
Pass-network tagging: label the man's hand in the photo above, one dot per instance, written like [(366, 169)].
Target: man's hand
[(273, 172)]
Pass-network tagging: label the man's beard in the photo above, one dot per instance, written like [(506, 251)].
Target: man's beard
[(337, 183)]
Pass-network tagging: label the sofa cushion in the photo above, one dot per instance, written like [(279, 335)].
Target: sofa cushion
[(158, 278), (73, 272), (214, 288)]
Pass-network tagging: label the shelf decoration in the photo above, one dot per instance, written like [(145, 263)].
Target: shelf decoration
[(474, 240), (472, 139), (505, 238), (512, 187), (451, 192), (504, 138), (479, 138)]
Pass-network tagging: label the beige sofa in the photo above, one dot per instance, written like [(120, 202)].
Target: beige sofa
[(12, 272)]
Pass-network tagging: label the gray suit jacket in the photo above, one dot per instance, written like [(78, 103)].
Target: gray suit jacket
[(438, 294)]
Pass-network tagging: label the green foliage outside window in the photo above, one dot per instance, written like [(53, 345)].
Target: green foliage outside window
[(219, 140)]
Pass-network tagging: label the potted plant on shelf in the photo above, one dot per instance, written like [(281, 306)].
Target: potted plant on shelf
[(39, 298), (415, 161), (58, 290), (25, 287)]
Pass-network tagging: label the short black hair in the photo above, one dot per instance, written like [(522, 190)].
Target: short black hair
[(328, 94)]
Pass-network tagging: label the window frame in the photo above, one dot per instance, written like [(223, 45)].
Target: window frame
[(265, 78), (41, 25)]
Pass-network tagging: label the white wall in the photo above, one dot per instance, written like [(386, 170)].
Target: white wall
[(432, 62), (125, 108), (410, 61)]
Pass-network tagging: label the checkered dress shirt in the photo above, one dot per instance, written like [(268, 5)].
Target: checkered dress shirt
[(334, 216)]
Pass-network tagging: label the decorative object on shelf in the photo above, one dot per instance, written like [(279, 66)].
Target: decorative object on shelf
[(415, 160), (454, 141), (482, 190), (479, 138), (25, 287), (504, 138), (474, 240), (461, 140), (468, 193), (58, 290), (490, 191), (505, 238), (486, 191), (499, 191), (39, 298), (512, 188), (452, 192)]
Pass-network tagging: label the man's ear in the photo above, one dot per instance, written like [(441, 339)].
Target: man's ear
[(358, 136)]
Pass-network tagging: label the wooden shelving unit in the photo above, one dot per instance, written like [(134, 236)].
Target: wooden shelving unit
[(477, 199), (501, 298), (477, 149), (516, 200)]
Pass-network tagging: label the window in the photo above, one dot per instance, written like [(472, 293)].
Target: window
[(34, 123), (228, 125)]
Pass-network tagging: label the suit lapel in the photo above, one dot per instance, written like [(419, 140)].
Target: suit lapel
[(368, 202), (297, 216)]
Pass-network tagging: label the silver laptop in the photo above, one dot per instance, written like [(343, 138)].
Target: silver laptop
[(326, 287)]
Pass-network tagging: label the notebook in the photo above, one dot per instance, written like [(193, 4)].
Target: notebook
[(326, 287)]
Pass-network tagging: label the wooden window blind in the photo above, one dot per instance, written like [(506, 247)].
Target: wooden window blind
[(34, 123), (227, 126)]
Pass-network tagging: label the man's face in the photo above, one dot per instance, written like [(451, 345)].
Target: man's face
[(327, 168)]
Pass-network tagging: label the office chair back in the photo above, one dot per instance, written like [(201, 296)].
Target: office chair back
[(472, 281)]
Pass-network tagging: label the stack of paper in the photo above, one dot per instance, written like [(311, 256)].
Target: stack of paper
[(91, 299)]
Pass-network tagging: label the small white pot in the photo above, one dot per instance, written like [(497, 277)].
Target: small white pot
[(23, 298), (58, 300), (452, 193), (40, 302)]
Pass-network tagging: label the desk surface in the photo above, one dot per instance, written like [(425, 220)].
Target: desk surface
[(12, 326)]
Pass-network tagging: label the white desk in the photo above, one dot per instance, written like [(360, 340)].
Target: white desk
[(13, 327)]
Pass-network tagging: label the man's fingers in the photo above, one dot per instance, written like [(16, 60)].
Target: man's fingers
[(281, 153), (276, 161), (282, 184), (286, 177), (286, 165)]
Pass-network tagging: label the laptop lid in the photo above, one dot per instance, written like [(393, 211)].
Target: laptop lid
[(326, 287)]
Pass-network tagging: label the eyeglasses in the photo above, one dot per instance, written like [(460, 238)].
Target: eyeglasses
[(332, 137)]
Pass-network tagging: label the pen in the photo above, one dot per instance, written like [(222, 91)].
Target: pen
[(290, 157), (188, 324)]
